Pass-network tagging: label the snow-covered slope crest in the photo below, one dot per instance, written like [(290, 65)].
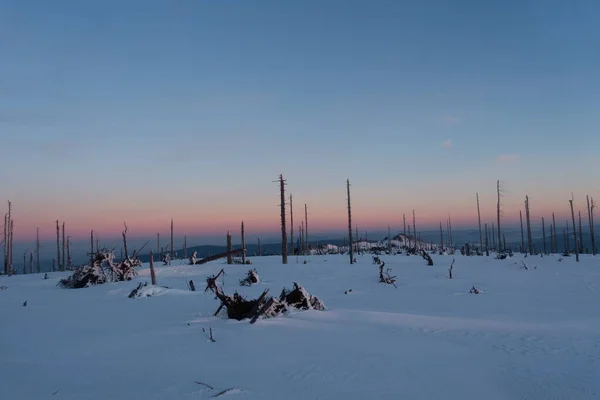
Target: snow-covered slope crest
[(530, 333)]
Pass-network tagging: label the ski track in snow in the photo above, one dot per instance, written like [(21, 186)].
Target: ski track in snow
[(532, 334)]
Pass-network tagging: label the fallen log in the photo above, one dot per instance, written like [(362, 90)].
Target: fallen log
[(220, 255)]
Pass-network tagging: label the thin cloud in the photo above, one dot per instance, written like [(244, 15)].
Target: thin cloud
[(507, 158), (447, 144)]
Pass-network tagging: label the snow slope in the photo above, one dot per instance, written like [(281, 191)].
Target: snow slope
[(531, 334)]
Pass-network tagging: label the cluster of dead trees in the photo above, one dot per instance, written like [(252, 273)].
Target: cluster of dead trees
[(102, 270), (264, 306)]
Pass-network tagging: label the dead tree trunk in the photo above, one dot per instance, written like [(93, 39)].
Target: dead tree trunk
[(62, 266), (479, 221), (574, 231), (31, 262), (229, 249), (404, 220), (591, 223), (522, 234), (69, 258), (487, 249), (185, 257), (124, 233), (450, 232), (580, 235), (244, 244), (389, 239), (284, 255), (37, 250), (442, 238), (527, 217), (493, 237), (58, 246), (415, 229), (555, 236), (172, 253), (152, 274), (544, 234), (291, 226), (92, 247), (350, 223), (158, 251), (498, 215), (306, 229), (25, 263)]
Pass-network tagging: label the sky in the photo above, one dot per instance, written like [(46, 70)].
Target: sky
[(143, 111)]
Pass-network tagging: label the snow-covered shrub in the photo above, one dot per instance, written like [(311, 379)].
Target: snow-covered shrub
[(250, 279)]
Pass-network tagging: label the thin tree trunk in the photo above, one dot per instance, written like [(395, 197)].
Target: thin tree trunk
[(487, 249), (185, 257), (58, 246), (389, 239), (555, 236), (591, 223), (415, 228), (528, 218), (522, 234), (92, 247), (306, 229), (152, 274), (404, 220), (283, 229), (544, 234), (62, 266), (350, 223), (291, 226), (25, 263), (172, 242), (493, 237), (244, 244), (442, 237), (69, 259), (479, 222), (580, 235), (31, 262), (574, 232), (37, 250), (499, 243), (229, 248)]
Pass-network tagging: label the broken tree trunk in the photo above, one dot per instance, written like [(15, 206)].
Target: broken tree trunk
[(220, 255)]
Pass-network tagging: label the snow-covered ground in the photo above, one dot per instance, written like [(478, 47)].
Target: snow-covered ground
[(530, 334)]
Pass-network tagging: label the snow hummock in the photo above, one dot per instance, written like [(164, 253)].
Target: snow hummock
[(528, 334)]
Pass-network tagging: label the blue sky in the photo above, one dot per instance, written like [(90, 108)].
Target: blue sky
[(146, 110)]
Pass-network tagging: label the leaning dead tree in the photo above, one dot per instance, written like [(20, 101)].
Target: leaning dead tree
[(216, 256), (426, 257), (350, 242), (385, 277)]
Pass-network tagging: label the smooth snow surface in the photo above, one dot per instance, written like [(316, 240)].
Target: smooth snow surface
[(530, 334)]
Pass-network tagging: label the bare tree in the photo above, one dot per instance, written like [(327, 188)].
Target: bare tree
[(58, 246), (479, 221), (244, 244), (544, 234), (404, 220), (527, 217), (389, 239), (306, 228), (37, 250), (31, 261), (350, 223), (152, 274), (574, 230), (91, 247), (415, 228), (172, 243), (591, 223), (185, 257), (487, 249), (283, 229), (498, 215), (442, 238), (291, 226), (555, 237), (69, 258), (229, 248), (522, 234), (580, 235), (62, 266)]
